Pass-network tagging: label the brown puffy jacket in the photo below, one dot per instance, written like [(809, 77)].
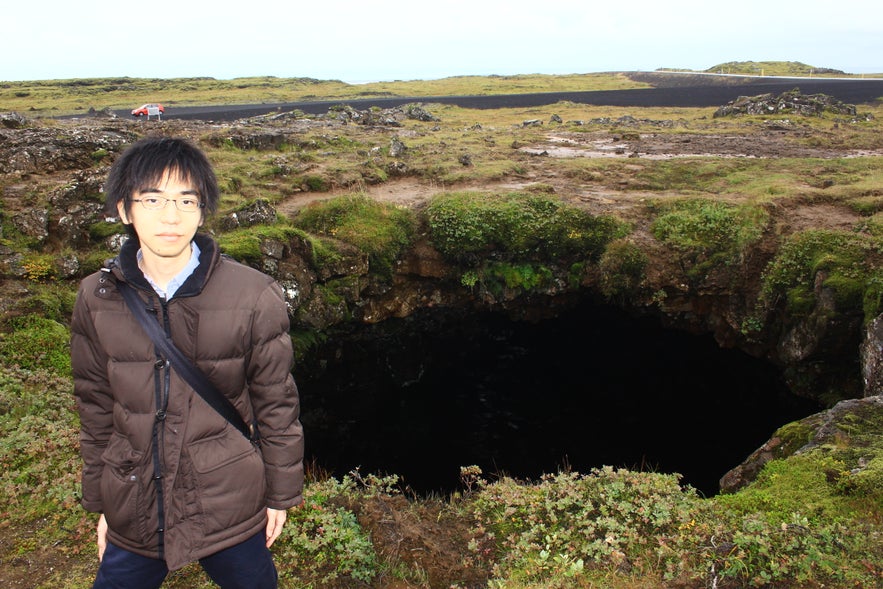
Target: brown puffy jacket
[(189, 484)]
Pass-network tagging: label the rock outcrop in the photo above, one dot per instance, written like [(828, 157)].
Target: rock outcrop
[(849, 423), (793, 103), (872, 358)]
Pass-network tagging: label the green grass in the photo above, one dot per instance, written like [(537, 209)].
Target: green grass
[(383, 231)]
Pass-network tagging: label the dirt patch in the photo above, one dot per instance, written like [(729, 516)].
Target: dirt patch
[(427, 537), (23, 565), (408, 192), (816, 216), (780, 141)]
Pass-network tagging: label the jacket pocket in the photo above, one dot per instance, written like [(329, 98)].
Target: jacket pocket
[(230, 478), (123, 489), (220, 450)]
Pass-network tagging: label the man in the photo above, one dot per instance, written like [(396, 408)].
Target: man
[(173, 480)]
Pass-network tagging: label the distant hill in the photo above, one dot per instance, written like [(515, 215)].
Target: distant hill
[(769, 68), (773, 68)]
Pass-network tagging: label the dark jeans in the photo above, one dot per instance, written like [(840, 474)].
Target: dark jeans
[(248, 565)]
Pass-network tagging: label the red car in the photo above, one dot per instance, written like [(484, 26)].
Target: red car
[(144, 110)]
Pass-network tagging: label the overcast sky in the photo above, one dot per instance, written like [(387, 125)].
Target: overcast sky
[(407, 40)]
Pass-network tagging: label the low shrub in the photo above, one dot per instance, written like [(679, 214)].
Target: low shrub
[(707, 232), (36, 343), (39, 267), (569, 524), (573, 530), (51, 300), (467, 226), (844, 262), (39, 455), (323, 543), (501, 277), (622, 267)]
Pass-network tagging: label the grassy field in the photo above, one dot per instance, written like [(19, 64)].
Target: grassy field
[(57, 97), (60, 97)]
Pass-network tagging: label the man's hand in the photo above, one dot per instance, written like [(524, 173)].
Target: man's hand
[(102, 536), (275, 521)]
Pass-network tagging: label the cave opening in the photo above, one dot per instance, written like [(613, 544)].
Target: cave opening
[(422, 396)]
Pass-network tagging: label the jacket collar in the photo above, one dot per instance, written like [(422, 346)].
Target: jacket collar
[(125, 265)]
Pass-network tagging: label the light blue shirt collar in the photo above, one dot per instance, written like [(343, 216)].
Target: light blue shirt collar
[(179, 279)]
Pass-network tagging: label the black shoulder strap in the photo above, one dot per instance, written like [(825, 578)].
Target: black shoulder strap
[(188, 371)]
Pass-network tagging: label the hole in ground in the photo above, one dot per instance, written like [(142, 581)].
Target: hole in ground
[(422, 396)]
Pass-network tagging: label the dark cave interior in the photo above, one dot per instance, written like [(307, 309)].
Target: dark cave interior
[(422, 396)]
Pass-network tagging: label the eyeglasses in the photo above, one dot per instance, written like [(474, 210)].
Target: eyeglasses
[(156, 203)]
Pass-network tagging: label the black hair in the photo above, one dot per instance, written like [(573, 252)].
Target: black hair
[(143, 164)]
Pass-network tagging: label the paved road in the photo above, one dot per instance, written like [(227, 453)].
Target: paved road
[(851, 91)]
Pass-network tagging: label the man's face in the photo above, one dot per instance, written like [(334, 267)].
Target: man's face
[(164, 230)]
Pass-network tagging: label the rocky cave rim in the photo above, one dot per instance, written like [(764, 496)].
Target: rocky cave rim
[(409, 191)]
